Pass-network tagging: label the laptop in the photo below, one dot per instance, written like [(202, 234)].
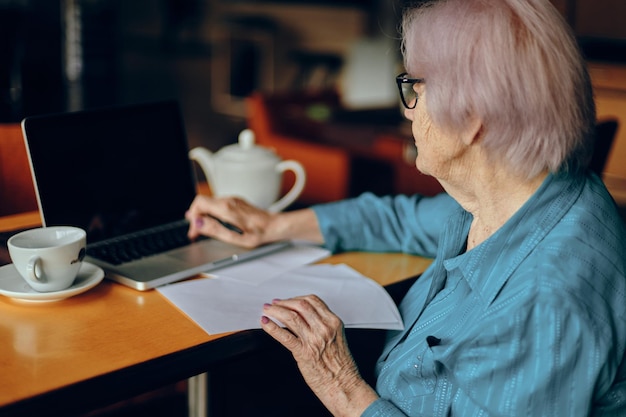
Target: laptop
[(123, 174)]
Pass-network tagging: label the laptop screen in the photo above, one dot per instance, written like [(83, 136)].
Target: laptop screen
[(111, 171)]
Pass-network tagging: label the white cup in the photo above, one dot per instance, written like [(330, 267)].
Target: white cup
[(48, 258)]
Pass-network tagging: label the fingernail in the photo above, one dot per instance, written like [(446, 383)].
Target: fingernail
[(265, 320), (275, 300), (199, 221), (266, 305)]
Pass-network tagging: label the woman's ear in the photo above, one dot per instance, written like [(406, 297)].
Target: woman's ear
[(473, 131)]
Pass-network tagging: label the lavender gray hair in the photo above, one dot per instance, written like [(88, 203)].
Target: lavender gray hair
[(515, 65)]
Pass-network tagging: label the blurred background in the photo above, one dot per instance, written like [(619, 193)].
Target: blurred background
[(60, 55), (212, 55)]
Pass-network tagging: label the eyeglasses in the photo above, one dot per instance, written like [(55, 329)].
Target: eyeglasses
[(407, 91)]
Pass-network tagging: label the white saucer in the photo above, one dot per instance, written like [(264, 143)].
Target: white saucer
[(14, 286)]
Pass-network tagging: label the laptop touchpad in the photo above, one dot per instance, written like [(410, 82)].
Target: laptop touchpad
[(207, 251)]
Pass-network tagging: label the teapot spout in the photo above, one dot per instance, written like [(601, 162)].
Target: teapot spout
[(204, 158)]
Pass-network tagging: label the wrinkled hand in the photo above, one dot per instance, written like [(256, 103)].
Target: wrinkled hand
[(250, 219), (316, 338)]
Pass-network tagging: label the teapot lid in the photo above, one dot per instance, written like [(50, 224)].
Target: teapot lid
[(246, 150)]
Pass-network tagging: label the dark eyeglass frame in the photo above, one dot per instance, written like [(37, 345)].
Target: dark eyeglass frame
[(403, 79)]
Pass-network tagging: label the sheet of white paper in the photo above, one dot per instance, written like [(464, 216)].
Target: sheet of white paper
[(221, 305), (356, 299), (272, 265)]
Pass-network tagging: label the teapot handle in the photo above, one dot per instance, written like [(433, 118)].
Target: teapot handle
[(297, 188), (204, 158)]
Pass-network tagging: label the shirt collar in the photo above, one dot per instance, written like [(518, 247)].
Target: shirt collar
[(488, 266)]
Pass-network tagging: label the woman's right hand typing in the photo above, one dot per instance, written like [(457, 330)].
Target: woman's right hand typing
[(257, 225)]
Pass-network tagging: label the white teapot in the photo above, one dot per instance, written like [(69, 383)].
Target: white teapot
[(249, 171)]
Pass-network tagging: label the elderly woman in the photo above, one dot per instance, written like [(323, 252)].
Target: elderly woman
[(523, 311)]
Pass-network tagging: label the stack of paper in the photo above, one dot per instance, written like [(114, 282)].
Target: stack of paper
[(233, 299)]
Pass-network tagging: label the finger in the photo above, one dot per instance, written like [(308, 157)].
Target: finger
[(202, 225), (316, 323), (206, 215), (216, 228), (300, 338), (281, 335), (200, 205), (195, 225), (309, 307), (295, 313), (323, 312)]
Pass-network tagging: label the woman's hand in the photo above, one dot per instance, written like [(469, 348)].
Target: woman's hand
[(257, 226), (252, 221), (315, 336)]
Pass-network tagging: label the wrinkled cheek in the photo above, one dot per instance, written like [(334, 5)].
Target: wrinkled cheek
[(421, 129), (424, 145)]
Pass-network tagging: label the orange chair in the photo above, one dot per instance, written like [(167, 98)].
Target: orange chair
[(327, 167), (17, 193)]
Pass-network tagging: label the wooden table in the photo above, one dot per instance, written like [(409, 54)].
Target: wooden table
[(20, 221), (112, 342)]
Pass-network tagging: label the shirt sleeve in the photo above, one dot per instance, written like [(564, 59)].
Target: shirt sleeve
[(382, 408), (409, 224)]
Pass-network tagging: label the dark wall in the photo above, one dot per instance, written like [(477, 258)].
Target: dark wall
[(32, 75), (30, 71)]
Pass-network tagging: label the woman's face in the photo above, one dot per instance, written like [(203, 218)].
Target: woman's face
[(437, 153)]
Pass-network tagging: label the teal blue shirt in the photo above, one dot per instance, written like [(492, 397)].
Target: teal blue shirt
[(532, 322)]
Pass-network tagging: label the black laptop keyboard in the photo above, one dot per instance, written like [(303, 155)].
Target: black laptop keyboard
[(140, 244)]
